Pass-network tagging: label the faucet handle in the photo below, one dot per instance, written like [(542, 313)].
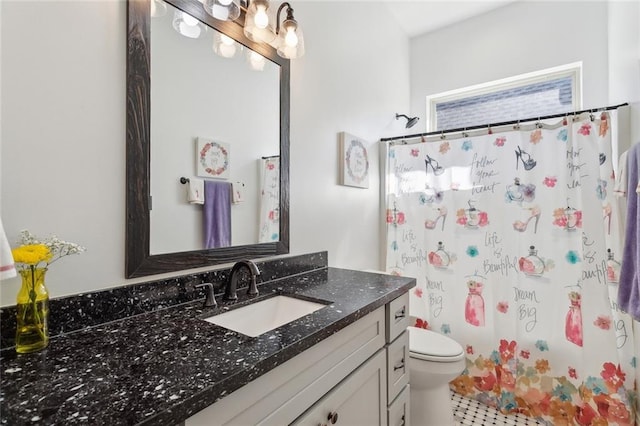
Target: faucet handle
[(210, 299)]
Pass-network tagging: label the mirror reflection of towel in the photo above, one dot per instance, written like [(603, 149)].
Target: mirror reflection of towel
[(195, 191), (217, 214)]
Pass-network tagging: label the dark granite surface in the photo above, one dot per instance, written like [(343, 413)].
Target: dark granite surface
[(160, 367), (68, 314)]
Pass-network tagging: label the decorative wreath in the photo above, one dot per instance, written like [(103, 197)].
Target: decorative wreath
[(357, 144), (209, 149)]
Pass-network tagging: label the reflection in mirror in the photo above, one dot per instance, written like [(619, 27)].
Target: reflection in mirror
[(215, 108)]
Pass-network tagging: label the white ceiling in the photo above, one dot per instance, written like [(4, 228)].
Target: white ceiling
[(420, 16)]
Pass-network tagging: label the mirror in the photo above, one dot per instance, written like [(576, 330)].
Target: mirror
[(183, 100)]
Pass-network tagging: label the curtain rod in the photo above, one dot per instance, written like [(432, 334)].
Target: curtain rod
[(270, 156), (504, 123)]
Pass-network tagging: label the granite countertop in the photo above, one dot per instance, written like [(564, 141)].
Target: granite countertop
[(161, 367)]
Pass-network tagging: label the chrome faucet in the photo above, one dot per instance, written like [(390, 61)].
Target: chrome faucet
[(232, 284)]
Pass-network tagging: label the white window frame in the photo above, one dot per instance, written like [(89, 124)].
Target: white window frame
[(573, 70)]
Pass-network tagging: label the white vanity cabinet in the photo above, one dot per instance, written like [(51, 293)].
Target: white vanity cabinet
[(343, 380)]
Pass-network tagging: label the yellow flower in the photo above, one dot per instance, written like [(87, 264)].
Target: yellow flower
[(31, 254)]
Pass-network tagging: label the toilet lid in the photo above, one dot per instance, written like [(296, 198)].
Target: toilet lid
[(432, 346)]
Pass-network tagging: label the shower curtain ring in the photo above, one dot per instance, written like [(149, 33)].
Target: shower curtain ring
[(442, 136)]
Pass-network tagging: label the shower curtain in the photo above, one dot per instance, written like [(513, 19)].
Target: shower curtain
[(269, 226), (514, 239)]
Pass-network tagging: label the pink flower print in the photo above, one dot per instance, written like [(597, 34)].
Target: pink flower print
[(503, 307), (550, 181), (470, 349), (603, 322), (420, 323), (585, 129), (500, 141), (455, 186), (526, 266), (536, 136), (415, 152), (400, 218), (483, 219), (572, 373), (272, 215), (271, 166), (578, 216), (525, 354), (444, 148), (461, 217), (418, 292), (435, 259), (614, 376), (507, 349)]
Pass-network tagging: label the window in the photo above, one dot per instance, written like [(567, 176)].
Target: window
[(547, 92)]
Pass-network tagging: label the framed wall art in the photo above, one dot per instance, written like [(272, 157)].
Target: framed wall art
[(212, 158), (354, 161)]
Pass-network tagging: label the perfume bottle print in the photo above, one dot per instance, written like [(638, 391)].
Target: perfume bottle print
[(521, 226), (440, 258), (474, 305), (394, 216), (568, 218), (613, 268), (573, 322), (532, 265), (472, 218), (518, 192)]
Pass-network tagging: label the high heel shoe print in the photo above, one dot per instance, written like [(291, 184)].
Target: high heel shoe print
[(442, 214), (527, 162), (436, 168), (521, 226)]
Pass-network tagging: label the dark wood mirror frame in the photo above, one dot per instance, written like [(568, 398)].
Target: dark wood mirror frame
[(138, 260)]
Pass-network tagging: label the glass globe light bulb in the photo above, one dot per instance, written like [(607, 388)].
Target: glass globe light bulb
[(261, 19), (291, 39)]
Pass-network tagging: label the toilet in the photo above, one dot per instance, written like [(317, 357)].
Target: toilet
[(434, 360)]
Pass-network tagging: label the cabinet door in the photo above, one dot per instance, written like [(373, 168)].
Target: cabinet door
[(359, 400), (399, 409), (398, 365)]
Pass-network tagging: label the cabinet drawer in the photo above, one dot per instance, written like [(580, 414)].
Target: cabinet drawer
[(398, 365), (359, 400), (397, 312), (399, 410)]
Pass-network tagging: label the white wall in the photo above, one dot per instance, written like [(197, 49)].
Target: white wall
[(519, 38), (353, 78), (63, 131)]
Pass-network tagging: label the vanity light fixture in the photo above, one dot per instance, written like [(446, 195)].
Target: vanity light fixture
[(224, 10), (287, 38), (224, 45), (158, 8), (257, 24), (186, 24), (290, 41)]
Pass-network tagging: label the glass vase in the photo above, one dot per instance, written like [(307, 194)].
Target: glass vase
[(32, 330)]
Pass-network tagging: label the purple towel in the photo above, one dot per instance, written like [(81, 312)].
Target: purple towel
[(629, 284), (217, 214)]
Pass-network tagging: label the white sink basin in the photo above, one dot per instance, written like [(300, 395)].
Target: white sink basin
[(257, 318)]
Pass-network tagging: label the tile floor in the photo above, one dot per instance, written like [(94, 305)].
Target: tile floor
[(471, 412)]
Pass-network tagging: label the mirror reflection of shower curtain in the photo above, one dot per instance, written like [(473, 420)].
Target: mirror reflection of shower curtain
[(269, 226)]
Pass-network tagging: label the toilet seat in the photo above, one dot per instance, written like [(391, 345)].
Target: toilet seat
[(431, 346)]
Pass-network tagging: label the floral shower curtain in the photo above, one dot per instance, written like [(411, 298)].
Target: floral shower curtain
[(269, 226), (514, 239)]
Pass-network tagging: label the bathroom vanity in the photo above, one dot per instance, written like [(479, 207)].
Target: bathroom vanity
[(171, 366)]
